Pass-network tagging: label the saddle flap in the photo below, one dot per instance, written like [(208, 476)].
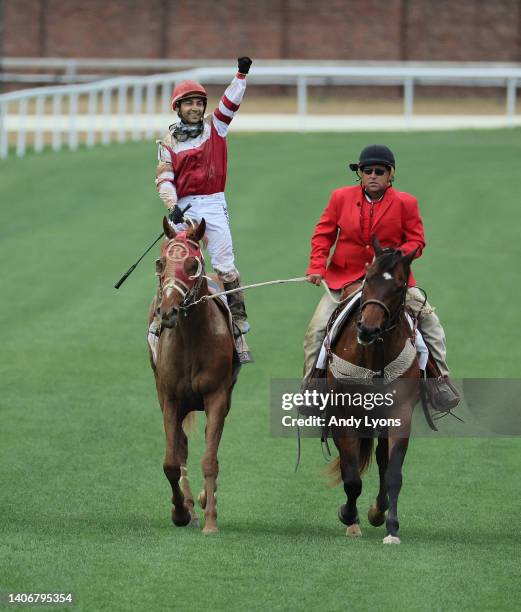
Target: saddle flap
[(335, 325)]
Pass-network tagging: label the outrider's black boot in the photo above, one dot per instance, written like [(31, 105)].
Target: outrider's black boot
[(444, 395)]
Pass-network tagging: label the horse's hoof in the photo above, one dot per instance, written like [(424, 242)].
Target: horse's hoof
[(390, 539), (354, 531), (207, 530), (181, 519), (376, 517), (194, 522), (343, 518)]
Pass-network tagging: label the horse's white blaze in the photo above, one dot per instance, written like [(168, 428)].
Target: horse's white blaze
[(172, 285), (387, 276)]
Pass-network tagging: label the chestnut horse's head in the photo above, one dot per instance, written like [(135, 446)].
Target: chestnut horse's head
[(180, 269), (383, 293)]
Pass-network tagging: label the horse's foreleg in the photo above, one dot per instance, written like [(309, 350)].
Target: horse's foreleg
[(216, 407), (172, 463), (349, 468), (376, 514), (393, 482), (184, 481)]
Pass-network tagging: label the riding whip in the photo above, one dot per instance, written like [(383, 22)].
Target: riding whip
[(134, 266)]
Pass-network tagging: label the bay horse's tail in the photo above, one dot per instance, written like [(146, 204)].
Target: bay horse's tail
[(364, 461), (190, 423)]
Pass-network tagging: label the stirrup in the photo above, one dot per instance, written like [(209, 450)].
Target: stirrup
[(442, 393), (243, 350)]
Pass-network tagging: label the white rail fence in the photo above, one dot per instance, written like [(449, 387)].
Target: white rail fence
[(134, 108)]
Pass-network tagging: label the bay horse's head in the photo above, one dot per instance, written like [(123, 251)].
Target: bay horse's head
[(180, 269), (383, 293)]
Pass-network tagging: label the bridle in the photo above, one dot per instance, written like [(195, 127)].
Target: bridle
[(178, 250), (391, 319)]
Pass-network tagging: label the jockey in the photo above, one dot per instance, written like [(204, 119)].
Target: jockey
[(192, 171), (352, 216)]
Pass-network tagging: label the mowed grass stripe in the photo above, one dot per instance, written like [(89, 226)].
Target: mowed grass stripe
[(85, 505)]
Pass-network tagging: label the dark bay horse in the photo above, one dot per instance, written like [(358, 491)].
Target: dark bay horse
[(194, 368), (376, 338)]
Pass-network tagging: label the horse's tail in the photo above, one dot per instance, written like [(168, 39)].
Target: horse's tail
[(366, 453), (190, 423), (364, 461), (333, 470)]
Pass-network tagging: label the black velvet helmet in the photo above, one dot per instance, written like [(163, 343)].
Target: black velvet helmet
[(375, 154)]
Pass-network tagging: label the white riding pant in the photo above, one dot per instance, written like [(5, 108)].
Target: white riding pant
[(215, 212)]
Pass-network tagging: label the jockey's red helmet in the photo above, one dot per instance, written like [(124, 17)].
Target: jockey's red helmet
[(188, 89)]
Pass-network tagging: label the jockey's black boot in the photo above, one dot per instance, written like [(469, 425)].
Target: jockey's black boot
[(443, 394), (237, 308)]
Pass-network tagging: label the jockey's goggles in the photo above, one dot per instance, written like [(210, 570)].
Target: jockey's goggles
[(378, 171)]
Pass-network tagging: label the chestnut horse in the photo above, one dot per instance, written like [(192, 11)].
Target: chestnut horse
[(371, 341), (194, 368)]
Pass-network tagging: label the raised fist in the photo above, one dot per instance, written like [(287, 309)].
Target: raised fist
[(244, 64)]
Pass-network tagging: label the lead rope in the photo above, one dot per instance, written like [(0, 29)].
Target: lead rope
[(298, 279)]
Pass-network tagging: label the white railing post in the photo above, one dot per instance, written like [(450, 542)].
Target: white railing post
[(511, 100), (302, 96), (70, 71), (56, 128), (150, 108), (105, 111), (165, 96), (408, 99), (21, 136), (38, 130), (73, 123), (136, 111), (4, 134), (122, 107), (92, 112)]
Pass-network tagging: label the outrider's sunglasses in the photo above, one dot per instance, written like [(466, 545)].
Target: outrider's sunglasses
[(378, 171)]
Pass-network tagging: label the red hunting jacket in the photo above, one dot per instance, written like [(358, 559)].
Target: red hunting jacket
[(395, 220)]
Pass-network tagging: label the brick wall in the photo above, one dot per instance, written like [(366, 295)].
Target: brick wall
[(465, 30)]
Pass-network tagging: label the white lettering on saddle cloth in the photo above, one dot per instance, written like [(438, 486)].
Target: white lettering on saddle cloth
[(421, 348)]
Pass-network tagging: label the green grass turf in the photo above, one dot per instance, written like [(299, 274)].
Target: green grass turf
[(84, 503)]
